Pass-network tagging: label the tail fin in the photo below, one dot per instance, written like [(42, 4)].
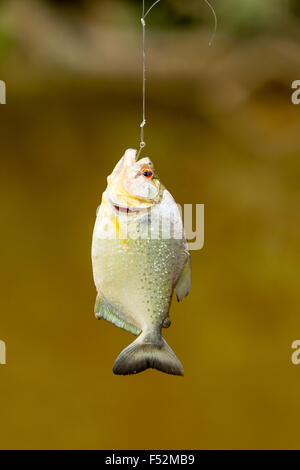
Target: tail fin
[(143, 354)]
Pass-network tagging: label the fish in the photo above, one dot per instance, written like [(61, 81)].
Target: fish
[(140, 255)]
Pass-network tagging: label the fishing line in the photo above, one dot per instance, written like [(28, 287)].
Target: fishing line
[(142, 125), (216, 22), (144, 14)]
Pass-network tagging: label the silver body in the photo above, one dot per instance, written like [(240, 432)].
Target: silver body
[(139, 256)]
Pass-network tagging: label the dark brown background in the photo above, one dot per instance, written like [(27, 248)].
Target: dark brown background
[(221, 131)]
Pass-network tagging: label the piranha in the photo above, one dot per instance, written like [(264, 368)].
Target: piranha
[(140, 256)]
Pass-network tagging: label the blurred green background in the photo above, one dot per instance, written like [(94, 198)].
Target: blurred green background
[(222, 131)]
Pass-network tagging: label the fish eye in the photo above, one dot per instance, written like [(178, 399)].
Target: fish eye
[(147, 173)]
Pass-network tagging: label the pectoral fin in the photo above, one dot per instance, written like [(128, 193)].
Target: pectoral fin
[(183, 285), (103, 309)]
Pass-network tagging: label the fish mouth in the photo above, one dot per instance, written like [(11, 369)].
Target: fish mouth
[(125, 210)]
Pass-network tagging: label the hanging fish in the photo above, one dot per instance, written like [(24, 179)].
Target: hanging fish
[(139, 255)]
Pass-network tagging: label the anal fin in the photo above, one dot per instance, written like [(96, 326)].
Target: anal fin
[(167, 322)]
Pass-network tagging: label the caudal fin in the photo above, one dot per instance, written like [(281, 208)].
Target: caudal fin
[(143, 354)]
